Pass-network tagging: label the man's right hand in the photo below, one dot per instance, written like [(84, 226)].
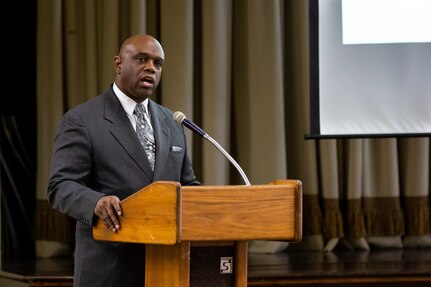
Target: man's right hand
[(108, 209)]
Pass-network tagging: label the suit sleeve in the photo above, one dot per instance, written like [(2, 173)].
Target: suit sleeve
[(188, 176), (71, 163)]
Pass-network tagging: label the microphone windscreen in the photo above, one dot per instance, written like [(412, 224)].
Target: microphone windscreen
[(179, 117)]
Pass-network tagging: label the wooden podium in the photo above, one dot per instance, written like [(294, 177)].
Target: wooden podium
[(169, 218)]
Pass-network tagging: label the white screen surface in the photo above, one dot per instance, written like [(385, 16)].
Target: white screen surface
[(386, 21), (370, 89)]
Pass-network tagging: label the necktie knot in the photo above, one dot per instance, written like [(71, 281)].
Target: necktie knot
[(140, 110)]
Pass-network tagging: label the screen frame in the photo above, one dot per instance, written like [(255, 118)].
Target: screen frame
[(314, 77)]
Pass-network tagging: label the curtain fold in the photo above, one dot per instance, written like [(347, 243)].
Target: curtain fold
[(48, 223), (17, 185), (240, 70), (215, 88)]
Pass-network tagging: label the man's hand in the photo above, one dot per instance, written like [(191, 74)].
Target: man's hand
[(108, 209)]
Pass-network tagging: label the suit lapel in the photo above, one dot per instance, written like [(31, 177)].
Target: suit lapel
[(161, 136), (123, 131)]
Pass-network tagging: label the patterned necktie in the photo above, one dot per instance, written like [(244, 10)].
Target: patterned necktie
[(145, 133)]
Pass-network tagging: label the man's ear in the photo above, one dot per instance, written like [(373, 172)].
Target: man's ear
[(117, 63)]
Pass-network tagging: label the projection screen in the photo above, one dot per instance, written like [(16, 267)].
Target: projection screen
[(370, 73)]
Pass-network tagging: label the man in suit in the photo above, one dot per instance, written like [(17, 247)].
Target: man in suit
[(98, 160)]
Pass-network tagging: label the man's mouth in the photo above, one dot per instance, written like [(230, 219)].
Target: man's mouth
[(148, 82)]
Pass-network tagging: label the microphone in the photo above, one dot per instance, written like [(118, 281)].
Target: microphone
[(180, 118)]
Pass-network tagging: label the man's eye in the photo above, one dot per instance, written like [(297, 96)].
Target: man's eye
[(142, 59)]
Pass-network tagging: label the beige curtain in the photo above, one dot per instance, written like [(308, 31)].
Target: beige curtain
[(240, 70)]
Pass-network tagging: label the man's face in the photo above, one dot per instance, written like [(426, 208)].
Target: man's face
[(139, 68)]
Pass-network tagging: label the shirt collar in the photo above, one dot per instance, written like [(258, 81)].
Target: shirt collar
[(127, 103)]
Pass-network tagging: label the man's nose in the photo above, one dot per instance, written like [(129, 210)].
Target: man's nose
[(149, 66)]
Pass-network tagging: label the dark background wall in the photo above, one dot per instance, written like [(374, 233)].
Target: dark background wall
[(18, 129), (19, 52)]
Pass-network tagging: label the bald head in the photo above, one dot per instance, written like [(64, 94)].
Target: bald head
[(138, 66), (139, 40)]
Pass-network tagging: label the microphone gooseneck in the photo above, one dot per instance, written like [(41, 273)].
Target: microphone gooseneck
[(180, 118)]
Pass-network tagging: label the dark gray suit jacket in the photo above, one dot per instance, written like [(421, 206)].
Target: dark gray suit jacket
[(96, 153)]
